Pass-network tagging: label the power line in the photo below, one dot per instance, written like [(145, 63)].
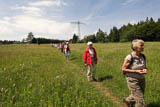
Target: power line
[(78, 23)]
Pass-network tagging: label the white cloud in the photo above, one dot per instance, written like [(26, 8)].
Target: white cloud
[(18, 26), (48, 3), (28, 8), (40, 25), (5, 27), (6, 18), (32, 19), (34, 11), (128, 2), (133, 22), (33, 8)]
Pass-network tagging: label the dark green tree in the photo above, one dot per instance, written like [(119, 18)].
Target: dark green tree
[(75, 38), (148, 30), (34, 40), (90, 38), (157, 30), (100, 36), (30, 37), (114, 35)]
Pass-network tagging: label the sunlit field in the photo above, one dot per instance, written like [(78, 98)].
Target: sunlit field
[(110, 59), (40, 76)]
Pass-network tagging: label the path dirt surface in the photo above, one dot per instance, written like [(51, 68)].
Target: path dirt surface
[(108, 94)]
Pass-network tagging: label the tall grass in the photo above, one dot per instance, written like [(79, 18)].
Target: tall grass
[(34, 76), (39, 76)]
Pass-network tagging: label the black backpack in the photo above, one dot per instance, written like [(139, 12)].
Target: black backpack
[(133, 60), (144, 57)]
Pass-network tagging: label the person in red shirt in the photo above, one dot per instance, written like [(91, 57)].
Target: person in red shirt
[(67, 50), (90, 60), (62, 47)]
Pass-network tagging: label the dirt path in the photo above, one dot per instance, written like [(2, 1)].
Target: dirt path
[(102, 89), (108, 94)]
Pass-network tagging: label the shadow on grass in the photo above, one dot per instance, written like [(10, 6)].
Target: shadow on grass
[(154, 104), (73, 58), (101, 79)]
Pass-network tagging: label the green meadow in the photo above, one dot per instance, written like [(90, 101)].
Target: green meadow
[(40, 76)]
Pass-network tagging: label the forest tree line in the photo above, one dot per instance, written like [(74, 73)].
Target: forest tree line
[(148, 30)]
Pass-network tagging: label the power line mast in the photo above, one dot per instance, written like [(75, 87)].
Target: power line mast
[(78, 23)]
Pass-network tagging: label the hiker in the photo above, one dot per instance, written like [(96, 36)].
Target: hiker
[(67, 50), (62, 47), (134, 68), (90, 60)]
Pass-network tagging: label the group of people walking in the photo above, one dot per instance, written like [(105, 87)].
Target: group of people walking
[(64, 48), (134, 68)]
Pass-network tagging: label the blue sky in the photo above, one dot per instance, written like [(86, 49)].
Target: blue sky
[(51, 18)]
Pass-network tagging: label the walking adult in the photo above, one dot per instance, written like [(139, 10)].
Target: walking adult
[(134, 68), (67, 50), (90, 60), (62, 47)]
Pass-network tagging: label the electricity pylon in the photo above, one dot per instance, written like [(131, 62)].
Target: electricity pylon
[(78, 23)]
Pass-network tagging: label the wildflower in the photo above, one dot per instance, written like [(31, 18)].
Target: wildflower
[(4, 69), (14, 85), (30, 85), (57, 76), (21, 64), (13, 99), (6, 91), (2, 89)]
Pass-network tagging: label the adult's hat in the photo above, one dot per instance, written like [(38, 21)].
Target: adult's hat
[(89, 43)]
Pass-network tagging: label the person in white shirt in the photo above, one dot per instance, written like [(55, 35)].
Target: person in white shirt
[(134, 68)]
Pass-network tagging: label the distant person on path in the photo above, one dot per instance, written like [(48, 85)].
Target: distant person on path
[(134, 68), (67, 51), (62, 47), (90, 60)]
